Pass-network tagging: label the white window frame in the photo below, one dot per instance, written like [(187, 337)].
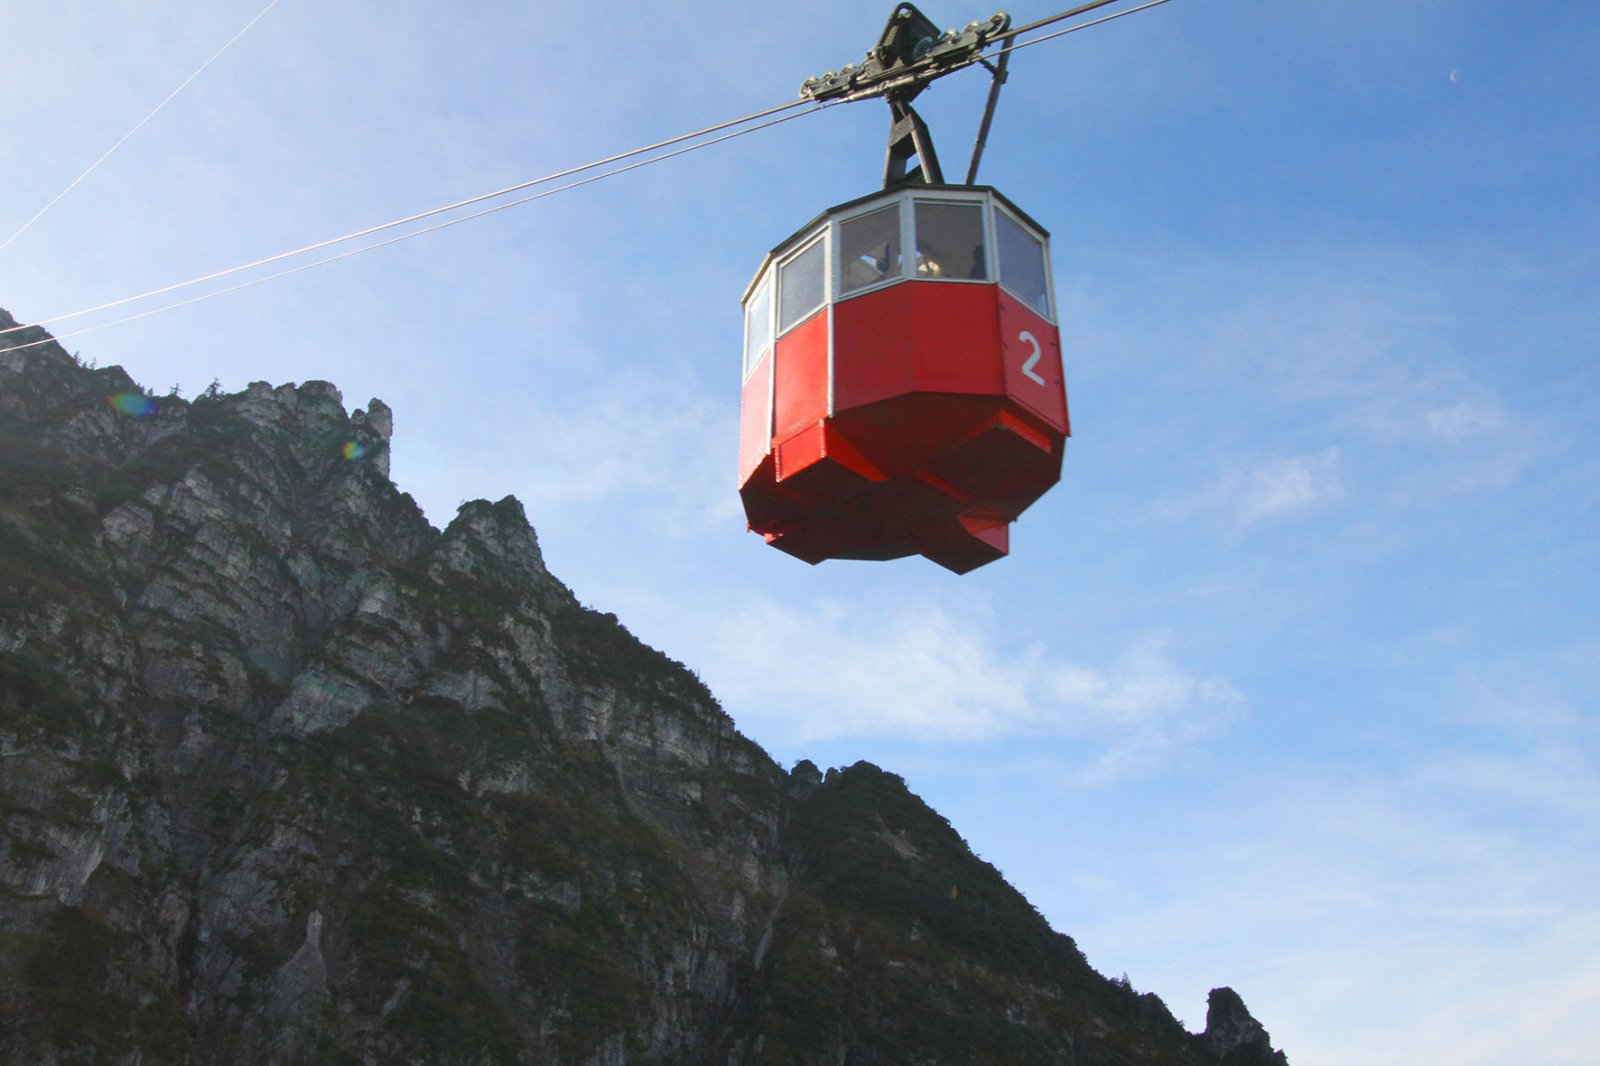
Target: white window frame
[(768, 277), (803, 246), (905, 201), (901, 203), (951, 197), (1049, 314)]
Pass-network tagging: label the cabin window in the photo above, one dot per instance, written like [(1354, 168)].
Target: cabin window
[(800, 285), (758, 326), (1022, 263), (869, 249), (950, 242)]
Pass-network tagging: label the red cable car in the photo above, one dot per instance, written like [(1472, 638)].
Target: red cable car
[(903, 390)]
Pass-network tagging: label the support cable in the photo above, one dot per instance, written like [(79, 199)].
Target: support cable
[(137, 126), (1085, 25), (1007, 39), (1081, 9), (403, 236), (370, 230), (998, 80)]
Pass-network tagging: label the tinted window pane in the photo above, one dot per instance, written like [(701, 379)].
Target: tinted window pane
[(869, 249), (800, 286), (1022, 263), (758, 325), (950, 241)]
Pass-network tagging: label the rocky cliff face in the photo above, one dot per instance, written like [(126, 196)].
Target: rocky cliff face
[(290, 776)]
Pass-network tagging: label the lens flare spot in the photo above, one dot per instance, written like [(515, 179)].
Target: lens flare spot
[(353, 449), (132, 403)]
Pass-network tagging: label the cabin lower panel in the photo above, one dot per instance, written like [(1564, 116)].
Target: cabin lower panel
[(800, 395), (755, 418), (935, 475)]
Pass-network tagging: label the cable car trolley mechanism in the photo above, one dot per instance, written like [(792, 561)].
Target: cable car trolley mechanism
[(903, 389)]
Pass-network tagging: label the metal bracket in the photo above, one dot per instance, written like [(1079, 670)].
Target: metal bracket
[(911, 53), (909, 136), (999, 73)]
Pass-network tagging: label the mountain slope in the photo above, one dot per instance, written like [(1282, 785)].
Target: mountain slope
[(289, 776)]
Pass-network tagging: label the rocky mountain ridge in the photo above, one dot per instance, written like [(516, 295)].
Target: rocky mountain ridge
[(291, 776)]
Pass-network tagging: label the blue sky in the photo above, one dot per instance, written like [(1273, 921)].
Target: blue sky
[(1291, 684)]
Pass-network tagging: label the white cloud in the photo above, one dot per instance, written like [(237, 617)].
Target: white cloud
[(1452, 937), (925, 673), (1444, 897), (1277, 488), (1288, 485), (1467, 418), (647, 445), (1544, 758), (1366, 348), (640, 436)]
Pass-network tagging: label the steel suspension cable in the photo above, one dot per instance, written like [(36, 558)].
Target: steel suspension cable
[(1081, 9), (1084, 25), (418, 217), (409, 234), (136, 126), (1005, 38)]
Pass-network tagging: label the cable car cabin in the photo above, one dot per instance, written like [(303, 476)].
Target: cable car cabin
[(902, 380)]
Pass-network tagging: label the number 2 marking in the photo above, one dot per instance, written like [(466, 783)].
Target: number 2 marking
[(1033, 360)]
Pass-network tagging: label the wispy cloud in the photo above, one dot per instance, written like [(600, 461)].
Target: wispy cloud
[(1458, 878), (650, 445), (1365, 349), (1361, 881), (1465, 418), (926, 673), (1273, 489), (1286, 486)]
